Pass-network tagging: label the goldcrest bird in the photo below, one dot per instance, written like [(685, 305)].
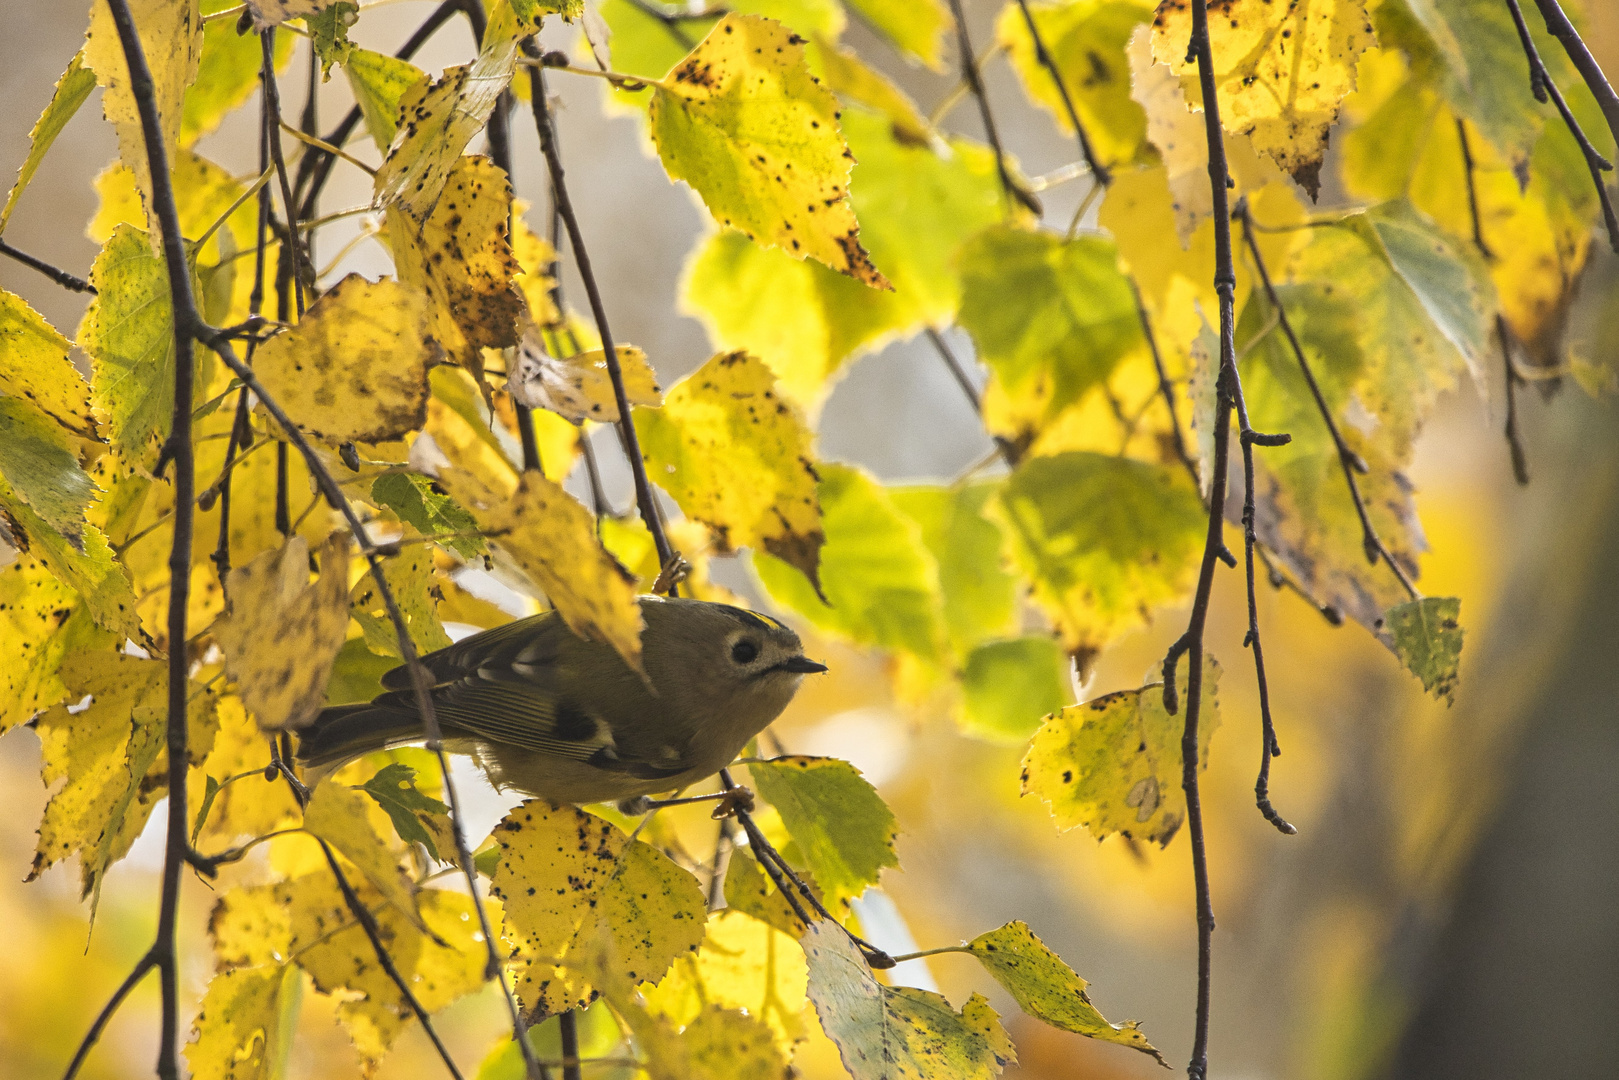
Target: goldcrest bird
[(551, 714)]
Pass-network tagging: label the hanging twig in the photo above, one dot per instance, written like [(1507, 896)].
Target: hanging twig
[(301, 269), (1472, 189), (1540, 82), (1166, 389), (975, 83), (61, 277), (1103, 175), (1520, 459), (1559, 27)]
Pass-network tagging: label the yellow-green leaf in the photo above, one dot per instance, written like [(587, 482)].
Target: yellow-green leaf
[(880, 584), (355, 369), (243, 1027), (410, 579), (1102, 540), (227, 74), (1428, 640), (1113, 764), (980, 594), (1280, 71), (71, 91), (39, 463), (897, 1032), (338, 815), (580, 893), (852, 79), (742, 120), (87, 565), (749, 890), (842, 826), (1008, 686), (34, 364), (42, 622), (915, 27), (281, 631), (738, 458), (170, 33), (1048, 989), (379, 83)]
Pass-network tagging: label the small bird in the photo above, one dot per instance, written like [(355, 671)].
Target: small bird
[(548, 713)]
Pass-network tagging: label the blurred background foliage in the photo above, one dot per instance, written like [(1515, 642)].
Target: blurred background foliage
[(1446, 906)]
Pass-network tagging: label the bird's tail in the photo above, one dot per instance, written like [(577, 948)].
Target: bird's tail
[(342, 733)]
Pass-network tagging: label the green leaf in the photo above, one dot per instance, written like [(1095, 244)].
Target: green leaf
[(744, 122), (1048, 989), (419, 502), (329, 34), (42, 469), (357, 673), (579, 893), (379, 83), (897, 1033), (842, 826), (417, 819), (914, 27), (1051, 318), (1088, 40), (1102, 540), (1008, 686), (71, 91), (881, 586), (227, 74), (980, 595), (1428, 640), (1113, 764)]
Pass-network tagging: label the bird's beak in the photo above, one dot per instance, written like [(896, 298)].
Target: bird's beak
[(800, 665)]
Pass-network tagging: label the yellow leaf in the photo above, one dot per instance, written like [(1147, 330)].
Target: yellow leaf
[(1280, 70), (34, 364), (111, 756), (281, 631), (579, 387), (253, 805), (575, 888), (550, 536), (443, 115), (745, 123), (341, 816), (915, 27), (42, 623), (718, 1044), (1113, 764), (379, 82), (743, 964), (355, 369), (87, 565), (738, 457), (535, 257), (170, 33), (410, 579), (852, 78), (71, 91), (239, 1027), (461, 259), (228, 73)]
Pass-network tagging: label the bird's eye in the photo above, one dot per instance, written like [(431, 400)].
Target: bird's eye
[(744, 652)]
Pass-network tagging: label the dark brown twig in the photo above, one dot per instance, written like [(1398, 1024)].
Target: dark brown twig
[(1098, 170), (1544, 88), (1520, 459), (975, 83), (1559, 27), (568, 1032), (61, 277), (301, 269), (1472, 189), (1003, 446), (1166, 389)]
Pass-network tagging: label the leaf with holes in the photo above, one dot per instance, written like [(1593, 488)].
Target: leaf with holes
[(1428, 640)]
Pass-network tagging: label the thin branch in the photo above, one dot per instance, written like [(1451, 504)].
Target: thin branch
[(146, 963), (368, 923), (1003, 446), (975, 83), (1349, 461), (1540, 81), (178, 450), (644, 497), (272, 135), (61, 277), (568, 1030), (1098, 170), (1559, 27), (1520, 460), (1472, 189), (326, 147), (1166, 389)]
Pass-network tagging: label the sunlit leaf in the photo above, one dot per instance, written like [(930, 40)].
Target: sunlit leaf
[(1113, 764), (1007, 686), (841, 825), (738, 458), (742, 120), (355, 369), (1103, 540), (579, 387), (281, 631), (379, 83), (1087, 39), (239, 1030), (897, 1033), (915, 27), (748, 890), (852, 79), (329, 35), (421, 503), (337, 815), (980, 595), (71, 91), (87, 565), (1280, 71), (171, 37), (881, 585), (42, 622), (574, 885), (34, 364), (227, 74), (410, 579), (1048, 989), (1428, 640), (256, 804)]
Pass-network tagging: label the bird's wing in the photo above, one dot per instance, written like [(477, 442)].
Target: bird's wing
[(533, 641)]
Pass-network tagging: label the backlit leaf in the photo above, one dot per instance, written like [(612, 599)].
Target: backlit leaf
[(1048, 989), (239, 1030), (227, 73), (915, 27), (355, 369), (253, 805), (1113, 764), (574, 887), (852, 79), (980, 595), (379, 83), (897, 1033), (281, 631), (749, 890), (1280, 71), (841, 825), (337, 815), (1428, 640), (34, 364), (42, 622), (87, 565), (1103, 541), (742, 120), (1007, 686), (738, 458), (71, 91), (410, 579)]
